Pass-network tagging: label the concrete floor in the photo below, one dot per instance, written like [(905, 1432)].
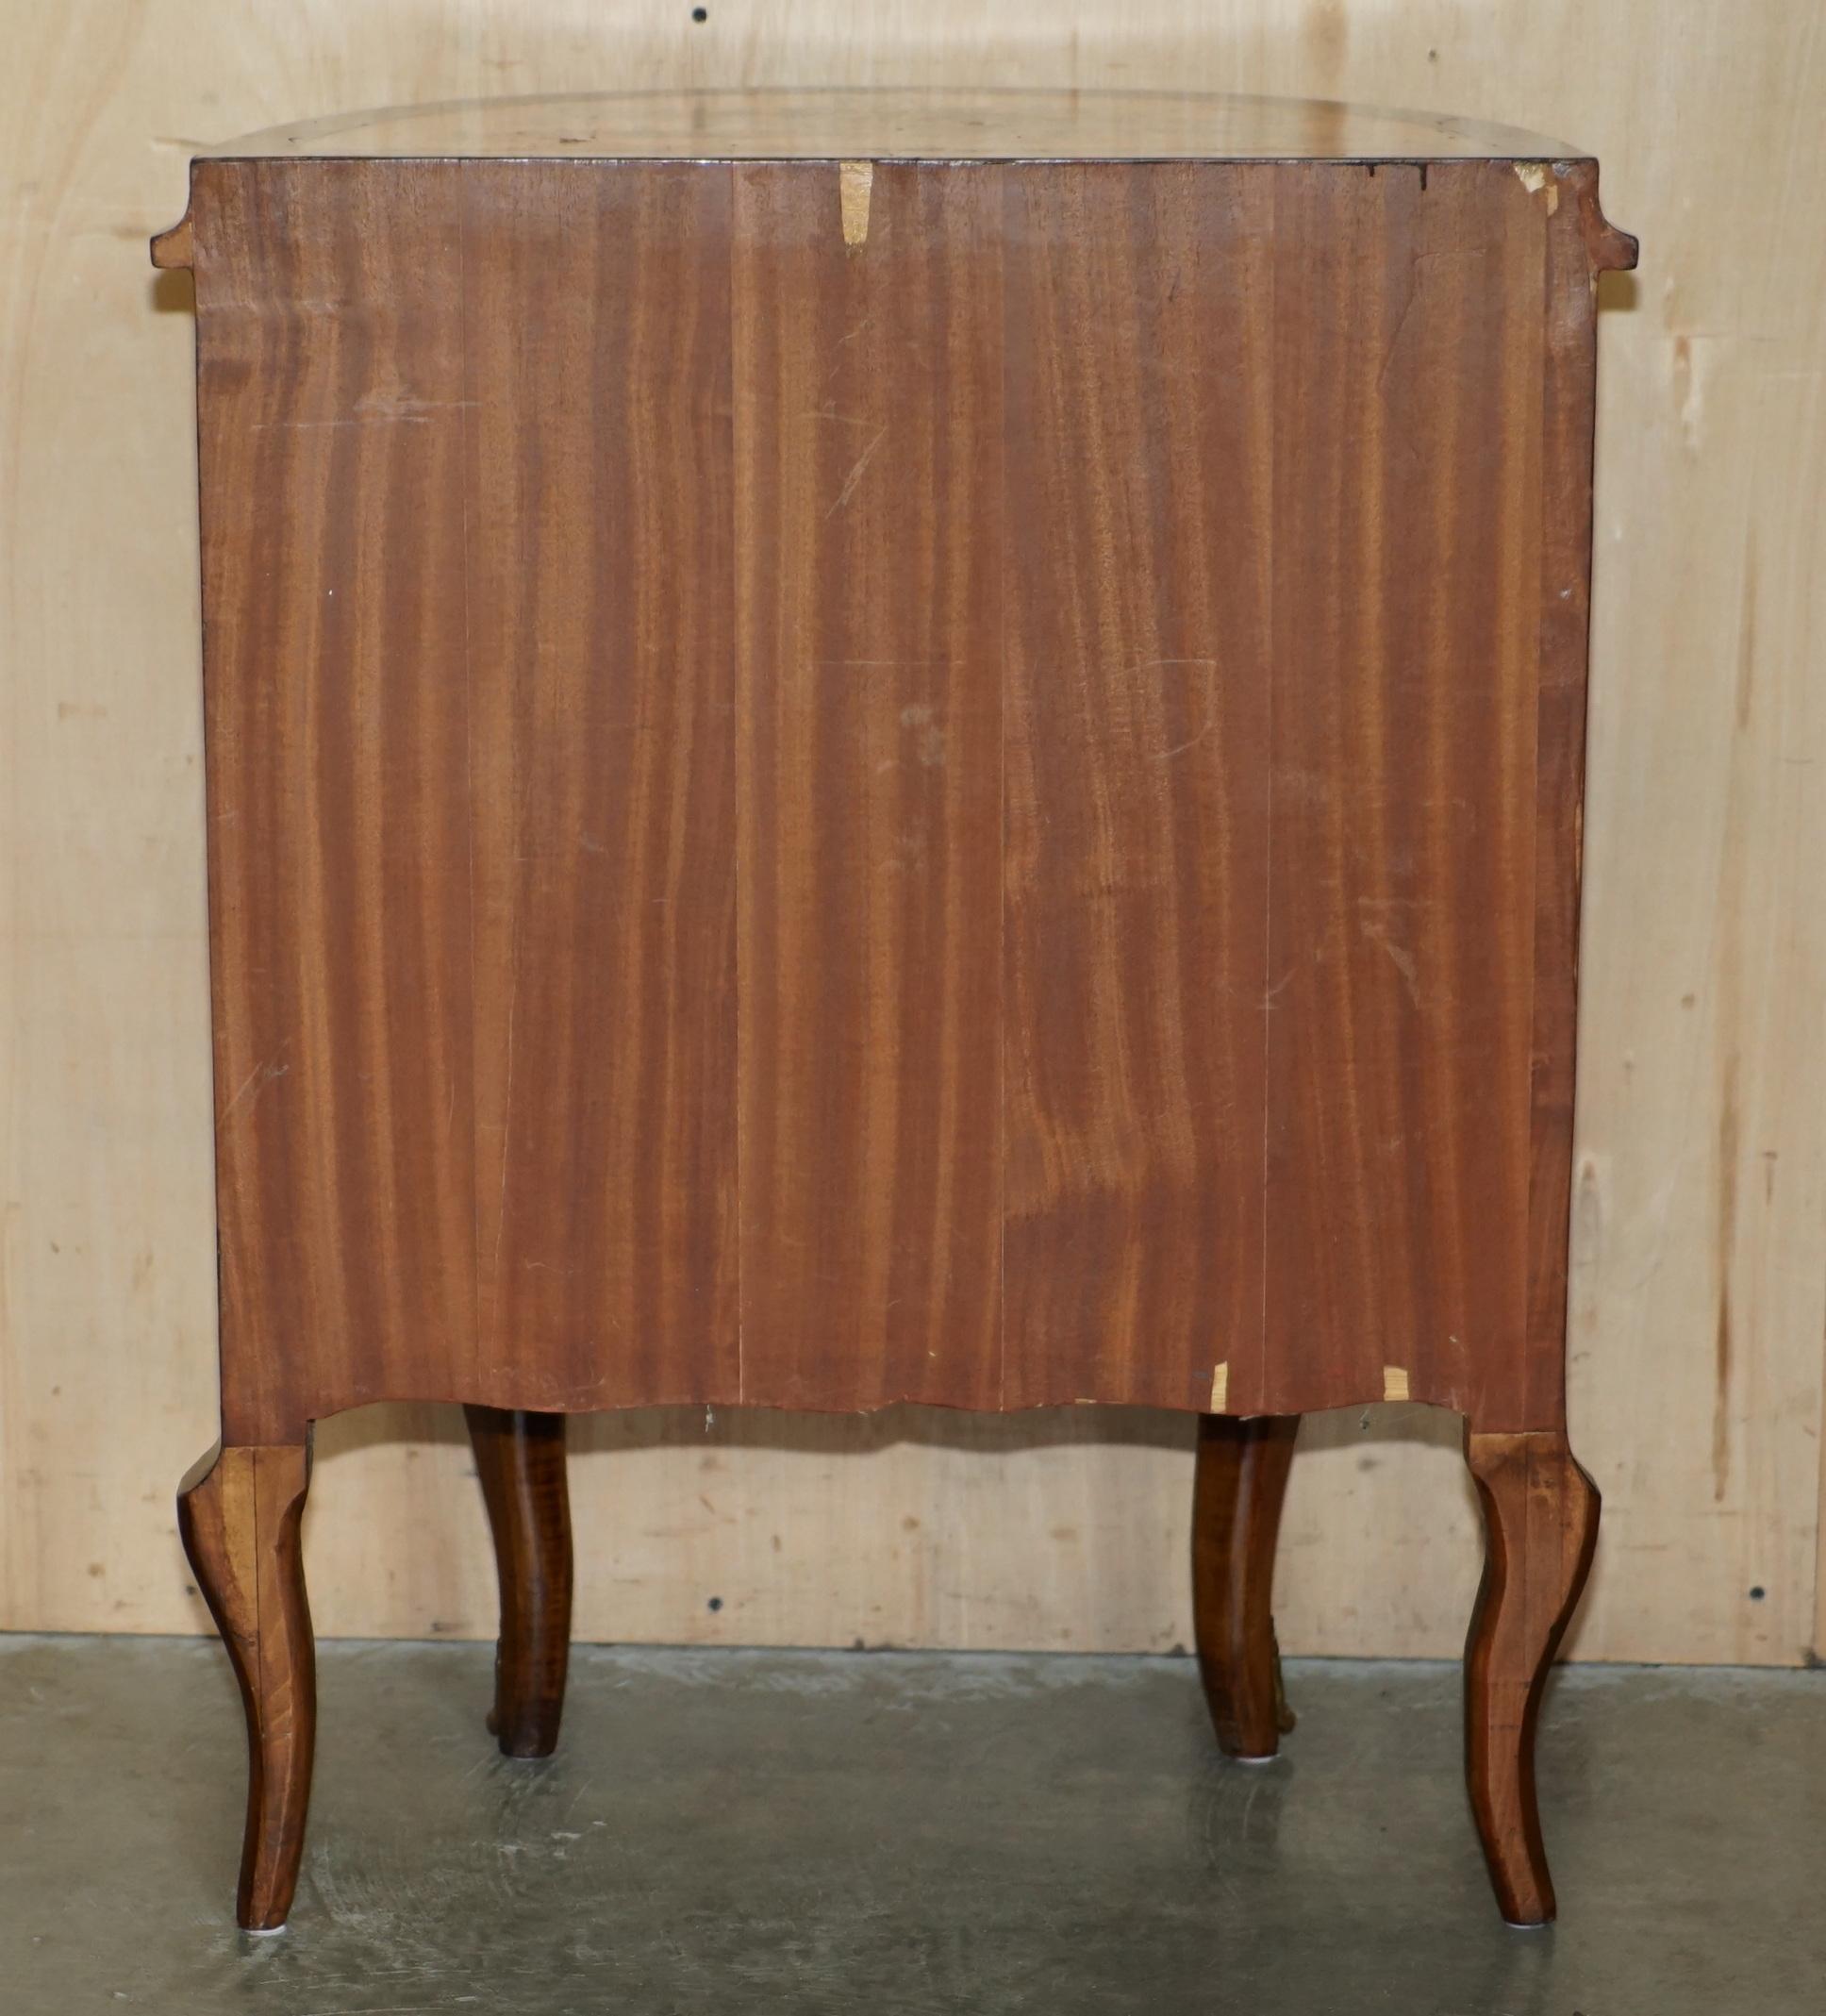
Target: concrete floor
[(900, 1833)]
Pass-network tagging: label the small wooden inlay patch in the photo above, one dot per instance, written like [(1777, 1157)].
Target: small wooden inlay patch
[(1394, 1382), (1219, 1387), (854, 182)]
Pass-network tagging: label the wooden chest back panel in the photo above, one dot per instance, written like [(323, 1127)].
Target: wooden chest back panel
[(602, 782), (1406, 556), (1138, 370), (929, 791), (332, 459), (870, 486)]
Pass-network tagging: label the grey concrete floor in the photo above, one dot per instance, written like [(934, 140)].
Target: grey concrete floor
[(904, 1833)]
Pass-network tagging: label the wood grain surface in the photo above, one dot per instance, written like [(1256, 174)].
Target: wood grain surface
[(868, 504), (343, 1010), (472, 784), (1698, 1279), (833, 787), (1142, 389), (599, 780)]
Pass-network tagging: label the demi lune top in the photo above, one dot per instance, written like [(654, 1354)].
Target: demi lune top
[(897, 124)]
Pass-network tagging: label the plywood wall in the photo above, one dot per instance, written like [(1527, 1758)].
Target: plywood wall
[(1700, 1291)]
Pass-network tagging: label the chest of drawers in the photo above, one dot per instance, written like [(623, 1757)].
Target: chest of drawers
[(873, 747)]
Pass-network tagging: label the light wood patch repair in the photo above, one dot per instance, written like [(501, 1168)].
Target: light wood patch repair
[(854, 182)]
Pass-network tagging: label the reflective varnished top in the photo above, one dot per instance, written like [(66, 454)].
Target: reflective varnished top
[(898, 124)]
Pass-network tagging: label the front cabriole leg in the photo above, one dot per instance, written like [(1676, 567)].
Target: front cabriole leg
[(240, 1511), (1540, 1520)]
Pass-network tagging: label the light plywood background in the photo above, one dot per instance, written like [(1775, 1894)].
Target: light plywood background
[(1700, 1290)]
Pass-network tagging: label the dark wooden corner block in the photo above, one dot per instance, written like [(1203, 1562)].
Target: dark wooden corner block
[(882, 747)]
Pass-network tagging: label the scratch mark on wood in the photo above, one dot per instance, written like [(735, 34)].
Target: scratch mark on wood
[(257, 1081), (855, 476), (1399, 957)]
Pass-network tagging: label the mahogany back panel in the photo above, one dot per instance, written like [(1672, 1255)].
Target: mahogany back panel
[(962, 787), (870, 589)]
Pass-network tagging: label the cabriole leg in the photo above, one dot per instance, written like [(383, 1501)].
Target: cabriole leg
[(1240, 1482), (520, 1460), (240, 1511), (1540, 1520)]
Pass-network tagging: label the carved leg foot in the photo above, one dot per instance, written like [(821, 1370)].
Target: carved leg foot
[(239, 1511), (519, 1459), (1540, 1518), (1240, 1482)]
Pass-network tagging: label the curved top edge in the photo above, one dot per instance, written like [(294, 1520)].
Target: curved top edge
[(778, 123)]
